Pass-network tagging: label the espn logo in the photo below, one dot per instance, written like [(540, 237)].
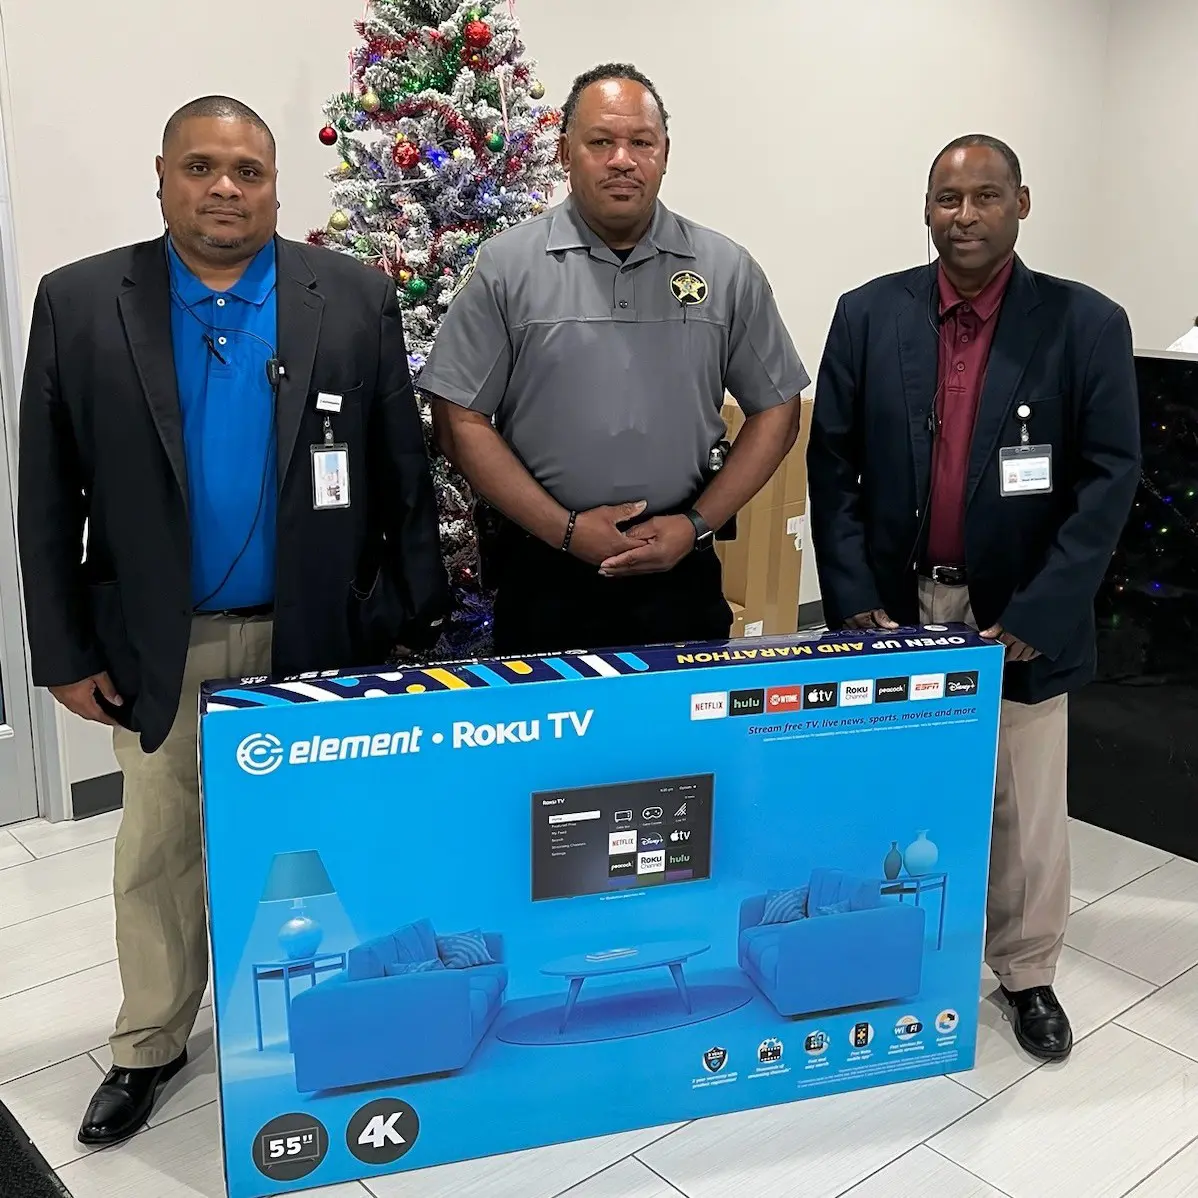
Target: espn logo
[(927, 686)]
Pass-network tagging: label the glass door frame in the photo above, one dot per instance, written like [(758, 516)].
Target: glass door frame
[(30, 747)]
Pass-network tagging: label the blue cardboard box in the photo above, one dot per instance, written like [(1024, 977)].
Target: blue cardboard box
[(465, 910)]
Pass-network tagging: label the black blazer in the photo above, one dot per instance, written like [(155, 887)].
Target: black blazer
[(1035, 562), (101, 442)]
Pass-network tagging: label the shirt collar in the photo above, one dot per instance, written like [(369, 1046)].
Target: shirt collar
[(568, 231), (986, 302), (255, 284)]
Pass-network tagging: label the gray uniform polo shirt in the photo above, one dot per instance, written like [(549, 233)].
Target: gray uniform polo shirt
[(607, 378)]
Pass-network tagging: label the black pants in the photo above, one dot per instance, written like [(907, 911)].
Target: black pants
[(549, 602)]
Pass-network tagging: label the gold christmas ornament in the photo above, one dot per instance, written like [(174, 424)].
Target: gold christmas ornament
[(537, 91), (339, 221), (369, 102)]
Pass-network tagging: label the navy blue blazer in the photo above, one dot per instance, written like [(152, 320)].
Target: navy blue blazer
[(1035, 561)]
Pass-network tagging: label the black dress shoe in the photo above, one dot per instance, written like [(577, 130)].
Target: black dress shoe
[(124, 1102), (1040, 1023)]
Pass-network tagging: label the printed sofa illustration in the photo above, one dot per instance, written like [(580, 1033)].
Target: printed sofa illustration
[(830, 945), (407, 1004)]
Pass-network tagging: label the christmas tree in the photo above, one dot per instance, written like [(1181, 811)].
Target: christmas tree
[(442, 142), (1147, 607)]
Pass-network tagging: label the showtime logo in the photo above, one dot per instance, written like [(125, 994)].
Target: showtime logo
[(784, 698)]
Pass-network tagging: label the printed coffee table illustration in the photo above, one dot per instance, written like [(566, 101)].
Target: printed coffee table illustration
[(672, 955)]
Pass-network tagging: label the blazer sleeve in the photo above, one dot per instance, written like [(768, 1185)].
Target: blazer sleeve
[(51, 513), (1047, 612), (834, 465), (405, 494)]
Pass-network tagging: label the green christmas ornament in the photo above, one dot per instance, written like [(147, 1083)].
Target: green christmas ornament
[(363, 246), (496, 142), (417, 288)]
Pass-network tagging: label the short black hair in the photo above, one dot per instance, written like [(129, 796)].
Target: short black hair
[(611, 70), (990, 143), (223, 108)]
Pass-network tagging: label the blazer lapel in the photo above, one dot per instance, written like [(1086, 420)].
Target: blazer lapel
[(145, 307), (1015, 339), (300, 309), (918, 347)]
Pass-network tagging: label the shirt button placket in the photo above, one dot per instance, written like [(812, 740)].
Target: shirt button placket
[(625, 300)]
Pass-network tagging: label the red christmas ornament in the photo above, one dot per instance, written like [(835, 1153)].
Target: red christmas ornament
[(478, 33), (405, 155), (328, 135)]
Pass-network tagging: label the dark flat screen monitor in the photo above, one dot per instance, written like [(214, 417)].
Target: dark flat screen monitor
[(625, 836)]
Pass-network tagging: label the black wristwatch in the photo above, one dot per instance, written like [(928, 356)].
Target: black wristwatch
[(704, 537)]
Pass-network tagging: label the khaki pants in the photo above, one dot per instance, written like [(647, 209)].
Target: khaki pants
[(158, 882), (1027, 904)]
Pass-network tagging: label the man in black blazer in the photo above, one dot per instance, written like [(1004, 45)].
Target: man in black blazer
[(974, 455), (222, 473)]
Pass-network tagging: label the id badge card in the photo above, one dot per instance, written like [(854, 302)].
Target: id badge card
[(330, 476), (1025, 470)]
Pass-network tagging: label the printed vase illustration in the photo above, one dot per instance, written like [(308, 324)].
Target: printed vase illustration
[(893, 862), (921, 855)]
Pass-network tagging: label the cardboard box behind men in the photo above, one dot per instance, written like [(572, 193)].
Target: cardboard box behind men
[(762, 567)]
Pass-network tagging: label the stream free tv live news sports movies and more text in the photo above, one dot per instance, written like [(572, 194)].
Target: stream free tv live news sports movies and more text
[(452, 906)]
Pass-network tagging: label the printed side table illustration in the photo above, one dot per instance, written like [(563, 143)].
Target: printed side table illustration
[(284, 971), (919, 885)]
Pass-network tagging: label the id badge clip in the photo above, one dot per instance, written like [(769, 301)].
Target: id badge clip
[(1025, 469), (330, 472)]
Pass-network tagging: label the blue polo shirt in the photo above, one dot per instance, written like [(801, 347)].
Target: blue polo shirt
[(228, 429)]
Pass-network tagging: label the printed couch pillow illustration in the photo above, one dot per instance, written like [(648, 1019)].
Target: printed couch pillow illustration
[(831, 945), (407, 1004)]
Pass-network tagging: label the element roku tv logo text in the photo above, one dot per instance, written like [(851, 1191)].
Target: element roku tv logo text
[(260, 753)]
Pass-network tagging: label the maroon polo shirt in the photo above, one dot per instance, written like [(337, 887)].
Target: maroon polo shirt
[(966, 334)]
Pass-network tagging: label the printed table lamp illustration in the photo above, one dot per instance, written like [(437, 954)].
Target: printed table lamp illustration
[(294, 877)]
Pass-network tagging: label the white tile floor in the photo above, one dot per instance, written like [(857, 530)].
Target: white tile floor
[(1120, 1118)]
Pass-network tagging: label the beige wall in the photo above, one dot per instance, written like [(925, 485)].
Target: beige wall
[(802, 128), (1148, 194)]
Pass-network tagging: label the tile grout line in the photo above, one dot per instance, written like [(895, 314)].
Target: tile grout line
[(89, 844), (1155, 993), (1158, 1168), (65, 977), (629, 1156), (886, 1165), (1131, 1031), (95, 898), (976, 1176), (1121, 969), (1132, 881), (665, 1180)]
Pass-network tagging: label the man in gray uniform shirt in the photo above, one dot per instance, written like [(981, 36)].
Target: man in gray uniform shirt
[(577, 382)]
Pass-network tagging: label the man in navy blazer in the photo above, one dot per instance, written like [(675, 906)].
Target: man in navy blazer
[(974, 455)]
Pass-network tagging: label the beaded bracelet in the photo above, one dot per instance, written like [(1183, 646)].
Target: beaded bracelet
[(569, 532)]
